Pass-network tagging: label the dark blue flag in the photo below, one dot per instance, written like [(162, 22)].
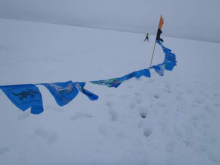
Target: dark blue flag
[(159, 69), (169, 65), (169, 60), (166, 50), (115, 82), (170, 57), (63, 92), (90, 95), (144, 72), (136, 74), (24, 97), (130, 75)]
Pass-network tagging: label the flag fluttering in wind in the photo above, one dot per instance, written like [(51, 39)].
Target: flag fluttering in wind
[(169, 61), (26, 96), (63, 92), (159, 31), (115, 82), (90, 95)]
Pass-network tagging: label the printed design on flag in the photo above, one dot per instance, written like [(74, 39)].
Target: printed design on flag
[(79, 87), (24, 97), (115, 82), (58, 89), (63, 95), (24, 94)]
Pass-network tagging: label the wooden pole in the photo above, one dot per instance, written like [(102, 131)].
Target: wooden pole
[(152, 54)]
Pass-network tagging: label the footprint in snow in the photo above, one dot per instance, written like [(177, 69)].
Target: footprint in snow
[(54, 108), (137, 93), (132, 105), (167, 85), (217, 104), (113, 114), (157, 96), (189, 90), (215, 95), (179, 98), (52, 138), (147, 132), (170, 145), (78, 116), (203, 148), (103, 130), (199, 100), (141, 124), (109, 104), (130, 86), (208, 109), (3, 150), (22, 158), (40, 132), (109, 95), (143, 111), (23, 115), (49, 137), (213, 157), (124, 97), (138, 100)]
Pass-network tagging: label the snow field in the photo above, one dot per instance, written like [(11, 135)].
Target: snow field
[(169, 120)]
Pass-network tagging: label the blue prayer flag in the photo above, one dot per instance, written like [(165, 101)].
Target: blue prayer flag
[(136, 74), (130, 76), (165, 50), (169, 65), (159, 69), (144, 72), (115, 82), (169, 60), (170, 57), (63, 92), (24, 97), (90, 95)]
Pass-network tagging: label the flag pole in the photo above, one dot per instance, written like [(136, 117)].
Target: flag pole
[(153, 53), (160, 26)]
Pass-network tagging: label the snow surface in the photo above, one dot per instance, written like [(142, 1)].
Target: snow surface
[(190, 19), (172, 120)]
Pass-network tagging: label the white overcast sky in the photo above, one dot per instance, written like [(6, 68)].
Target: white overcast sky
[(191, 19)]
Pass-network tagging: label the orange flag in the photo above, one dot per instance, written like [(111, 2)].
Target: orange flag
[(161, 22), (159, 29)]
